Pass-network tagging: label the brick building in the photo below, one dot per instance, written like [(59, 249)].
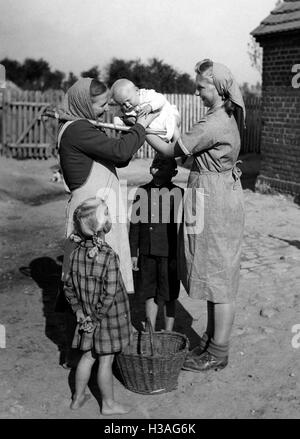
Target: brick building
[(279, 36)]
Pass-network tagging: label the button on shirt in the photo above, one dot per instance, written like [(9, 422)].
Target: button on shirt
[(154, 228)]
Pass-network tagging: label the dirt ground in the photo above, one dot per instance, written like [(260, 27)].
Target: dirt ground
[(262, 378)]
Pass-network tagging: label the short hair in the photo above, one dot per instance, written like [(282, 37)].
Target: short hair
[(97, 88), (161, 159), (86, 223)]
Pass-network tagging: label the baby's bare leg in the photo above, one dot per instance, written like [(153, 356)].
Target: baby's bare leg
[(105, 383), (83, 373)]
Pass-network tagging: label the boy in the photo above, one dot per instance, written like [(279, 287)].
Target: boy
[(133, 101), (153, 239)]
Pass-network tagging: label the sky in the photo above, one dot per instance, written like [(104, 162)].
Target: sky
[(74, 35)]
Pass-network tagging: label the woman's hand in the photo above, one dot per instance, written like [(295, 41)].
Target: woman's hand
[(145, 120)]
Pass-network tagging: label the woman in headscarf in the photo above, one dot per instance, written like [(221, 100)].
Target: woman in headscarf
[(88, 159), (214, 211)]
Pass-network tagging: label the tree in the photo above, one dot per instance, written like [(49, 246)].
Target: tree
[(251, 90), (93, 72), (255, 53), (13, 70), (156, 74), (33, 74), (54, 80), (185, 84), (37, 75), (117, 69), (69, 81)]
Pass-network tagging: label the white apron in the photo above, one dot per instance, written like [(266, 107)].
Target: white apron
[(102, 182)]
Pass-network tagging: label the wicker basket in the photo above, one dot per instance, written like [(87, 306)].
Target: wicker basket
[(151, 363)]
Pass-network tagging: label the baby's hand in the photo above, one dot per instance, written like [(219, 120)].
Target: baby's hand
[(134, 262), (144, 111)]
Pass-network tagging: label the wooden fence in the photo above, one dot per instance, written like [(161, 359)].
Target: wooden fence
[(25, 134)]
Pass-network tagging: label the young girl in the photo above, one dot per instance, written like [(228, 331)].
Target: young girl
[(95, 290)]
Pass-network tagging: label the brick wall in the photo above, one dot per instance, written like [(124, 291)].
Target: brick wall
[(280, 142)]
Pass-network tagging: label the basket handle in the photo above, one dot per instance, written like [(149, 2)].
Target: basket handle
[(149, 328)]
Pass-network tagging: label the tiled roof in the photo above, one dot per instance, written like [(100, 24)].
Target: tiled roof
[(285, 18)]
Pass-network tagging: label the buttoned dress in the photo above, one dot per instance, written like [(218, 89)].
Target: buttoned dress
[(96, 286), (213, 228)]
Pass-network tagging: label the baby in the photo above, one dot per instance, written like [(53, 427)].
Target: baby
[(133, 101)]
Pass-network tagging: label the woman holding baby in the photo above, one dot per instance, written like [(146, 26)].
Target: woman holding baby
[(211, 251), (89, 158)]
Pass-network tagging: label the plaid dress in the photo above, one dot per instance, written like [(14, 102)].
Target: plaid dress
[(95, 285)]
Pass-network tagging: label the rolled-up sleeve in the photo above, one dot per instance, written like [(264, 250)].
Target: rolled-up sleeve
[(198, 139)]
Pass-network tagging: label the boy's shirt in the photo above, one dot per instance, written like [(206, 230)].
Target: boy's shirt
[(156, 214)]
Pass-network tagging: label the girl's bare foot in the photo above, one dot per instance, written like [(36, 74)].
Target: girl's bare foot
[(79, 401), (114, 408)]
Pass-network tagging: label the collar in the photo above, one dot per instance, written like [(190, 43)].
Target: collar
[(168, 185)]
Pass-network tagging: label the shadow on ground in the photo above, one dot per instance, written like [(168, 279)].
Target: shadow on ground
[(183, 320), (46, 272), (293, 242), (60, 322)]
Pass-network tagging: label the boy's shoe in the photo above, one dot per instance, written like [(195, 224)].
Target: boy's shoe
[(204, 362)]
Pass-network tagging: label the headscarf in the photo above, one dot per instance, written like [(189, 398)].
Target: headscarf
[(225, 83), (77, 103)]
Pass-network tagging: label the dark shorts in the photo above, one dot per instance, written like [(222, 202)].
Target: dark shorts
[(158, 278)]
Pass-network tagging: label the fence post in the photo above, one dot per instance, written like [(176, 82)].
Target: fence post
[(3, 134)]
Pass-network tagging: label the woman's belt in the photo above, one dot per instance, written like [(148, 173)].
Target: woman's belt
[(235, 170)]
